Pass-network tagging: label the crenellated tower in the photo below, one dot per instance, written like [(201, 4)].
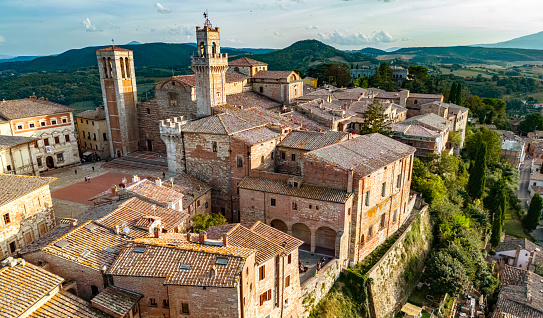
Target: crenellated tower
[(209, 66), (118, 81)]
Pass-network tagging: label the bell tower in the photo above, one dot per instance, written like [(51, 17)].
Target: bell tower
[(209, 66), (118, 81)]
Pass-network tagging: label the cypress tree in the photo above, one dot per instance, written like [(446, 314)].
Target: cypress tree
[(495, 238), (534, 213), (477, 178), (458, 95), (452, 93)]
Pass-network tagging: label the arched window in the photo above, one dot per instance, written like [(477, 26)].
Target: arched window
[(214, 49), (109, 68), (104, 64), (202, 48), (127, 65), (122, 67), (239, 162), (94, 290)]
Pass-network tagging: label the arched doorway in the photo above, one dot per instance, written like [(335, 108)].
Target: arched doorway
[(280, 225), (302, 232), (49, 161), (325, 241)]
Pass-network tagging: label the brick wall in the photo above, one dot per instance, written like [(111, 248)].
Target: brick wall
[(287, 165), (314, 289), (149, 287)]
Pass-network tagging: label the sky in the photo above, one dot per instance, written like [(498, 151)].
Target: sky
[(43, 27)]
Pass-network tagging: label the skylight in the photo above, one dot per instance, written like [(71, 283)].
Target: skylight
[(221, 261), (185, 267), (61, 243), (85, 253), (140, 248)]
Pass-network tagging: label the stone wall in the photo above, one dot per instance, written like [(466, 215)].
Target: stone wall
[(396, 274), (318, 286)]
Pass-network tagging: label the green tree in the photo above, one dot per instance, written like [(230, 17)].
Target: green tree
[(531, 123), (375, 120), (488, 137), (383, 79), (496, 201), (202, 222), (477, 178), (361, 82), (534, 213), (431, 187), (495, 238), (448, 165), (458, 94), (446, 274), (452, 93), (338, 75), (301, 73)]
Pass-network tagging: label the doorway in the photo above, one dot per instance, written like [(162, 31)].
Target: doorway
[(12, 247), (149, 145), (50, 163)]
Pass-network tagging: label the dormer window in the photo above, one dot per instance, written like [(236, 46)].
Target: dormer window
[(53, 121), (19, 126)]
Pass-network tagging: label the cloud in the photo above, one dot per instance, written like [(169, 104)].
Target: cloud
[(345, 38), (277, 34), (311, 27), (89, 27), (175, 30), (162, 9), (2, 39)]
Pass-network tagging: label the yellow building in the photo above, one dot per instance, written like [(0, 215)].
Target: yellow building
[(92, 133), (18, 155), (310, 81)]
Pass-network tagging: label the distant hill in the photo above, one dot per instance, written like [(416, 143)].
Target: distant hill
[(244, 49), (148, 54), (304, 54), (133, 43), (372, 51), (17, 58), (531, 42)]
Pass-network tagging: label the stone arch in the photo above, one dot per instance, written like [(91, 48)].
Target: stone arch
[(214, 48), (302, 232), (202, 49), (280, 225), (325, 241)]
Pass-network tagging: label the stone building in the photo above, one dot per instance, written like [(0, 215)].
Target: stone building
[(519, 295), (247, 66), (119, 92), (31, 291), (26, 211), (426, 141), (92, 132), (51, 123), (17, 155), (282, 86), (350, 197)]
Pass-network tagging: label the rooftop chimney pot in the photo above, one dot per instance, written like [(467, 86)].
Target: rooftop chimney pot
[(202, 237)]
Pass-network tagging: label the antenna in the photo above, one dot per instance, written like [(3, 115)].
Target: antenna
[(207, 23), (113, 42)]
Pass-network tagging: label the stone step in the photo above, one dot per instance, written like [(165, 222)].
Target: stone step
[(157, 162), (120, 162)]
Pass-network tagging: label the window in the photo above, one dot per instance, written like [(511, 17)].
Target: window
[(165, 303), (8, 167), (31, 125), (39, 162), (383, 219), (272, 155), (94, 137), (368, 198), (287, 281), (283, 155), (60, 157), (349, 211), (172, 98), (93, 123), (43, 123), (272, 202), (394, 216), (383, 189), (198, 203), (265, 296), (81, 120), (239, 162), (185, 308), (316, 207), (85, 144), (261, 89), (94, 290), (104, 136), (88, 135), (67, 138), (46, 142), (289, 258), (293, 157), (311, 206), (64, 120), (262, 272), (57, 140), (35, 144), (87, 121), (399, 181), (262, 159), (53, 122), (370, 232), (362, 240), (7, 220), (214, 146), (152, 302), (19, 127), (294, 206), (148, 110)]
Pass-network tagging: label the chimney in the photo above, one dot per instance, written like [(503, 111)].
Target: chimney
[(73, 222), (135, 178), (202, 237), (170, 205), (156, 232), (158, 182), (117, 229), (213, 271), (114, 191), (225, 239), (188, 237)]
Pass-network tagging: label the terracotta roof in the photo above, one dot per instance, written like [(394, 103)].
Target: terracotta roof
[(117, 300), (414, 130), (256, 136), (113, 48), (387, 95), (151, 258), (288, 242), (150, 190), (364, 154), (46, 239), (15, 186), (90, 245), (191, 187), (66, 305), (307, 140), (245, 61), (418, 95), (538, 190), (347, 95), (187, 79), (512, 245), (243, 237), (30, 107), (190, 80), (97, 114), (537, 176), (251, 99), (22, 286), (431, 120), (12, 141), (520, 294), (232, 77), (304, 191), (137, 214), (306, 123), (273, 74)]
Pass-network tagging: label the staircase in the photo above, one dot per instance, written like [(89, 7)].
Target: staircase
[(140, 160)]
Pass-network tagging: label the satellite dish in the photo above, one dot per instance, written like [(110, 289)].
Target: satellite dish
[(126, 230)]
